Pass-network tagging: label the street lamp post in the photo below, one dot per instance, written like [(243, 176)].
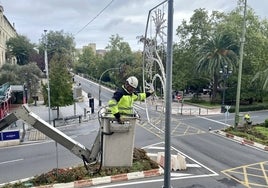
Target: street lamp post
[(100, 82), (225, 74), (243, 39), (47, 74), (48, 99)]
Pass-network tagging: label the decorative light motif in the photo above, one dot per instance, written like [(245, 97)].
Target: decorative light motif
[(154, 53)]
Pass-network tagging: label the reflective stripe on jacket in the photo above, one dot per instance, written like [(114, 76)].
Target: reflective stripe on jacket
[(122, 102)]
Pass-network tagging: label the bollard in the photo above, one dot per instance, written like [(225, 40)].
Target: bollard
[(91, 105)]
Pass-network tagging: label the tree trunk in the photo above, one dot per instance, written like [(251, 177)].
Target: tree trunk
[(215, 89)]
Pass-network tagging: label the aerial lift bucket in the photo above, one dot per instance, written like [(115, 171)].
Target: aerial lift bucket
[(118, 141)]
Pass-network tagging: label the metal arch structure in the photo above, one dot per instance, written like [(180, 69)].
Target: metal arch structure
[(155, 41)]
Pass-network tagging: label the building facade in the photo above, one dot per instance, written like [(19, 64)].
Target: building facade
[(7, 31), (100, 52)]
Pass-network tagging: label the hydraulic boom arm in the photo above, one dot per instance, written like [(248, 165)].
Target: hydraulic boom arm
[(75, 147)]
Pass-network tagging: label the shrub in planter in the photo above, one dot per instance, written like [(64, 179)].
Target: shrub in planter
[(266, 123)]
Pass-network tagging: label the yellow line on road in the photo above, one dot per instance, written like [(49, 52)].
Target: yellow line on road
[(245, 176), (264, 172), (243, 170)]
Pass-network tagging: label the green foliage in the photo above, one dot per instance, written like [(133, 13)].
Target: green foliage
[(87, 62), (266, 123), (255, 58), (214, 55), (262, 77), (257, 133), (183, 68), (17, 185), (8, 76), (61, 176), (60, 81), (28, 74), (58, 42), (253, 107), (141, 162), (20, 47), (205, 38), (118, 55)]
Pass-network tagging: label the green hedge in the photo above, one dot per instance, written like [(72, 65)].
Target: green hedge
[(253, 107)]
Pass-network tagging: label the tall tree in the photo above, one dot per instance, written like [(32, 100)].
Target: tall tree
[(86, 61), (118, 53), (262, 78), (255, 51), (20, 47), (214, 55), (60, 43), (192, 35), (60, 82), (203, 27)]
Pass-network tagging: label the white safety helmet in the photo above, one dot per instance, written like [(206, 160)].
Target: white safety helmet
[(133, 81)]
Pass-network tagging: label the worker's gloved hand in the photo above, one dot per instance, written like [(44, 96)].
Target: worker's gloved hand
[(150, 87), (118, 118)]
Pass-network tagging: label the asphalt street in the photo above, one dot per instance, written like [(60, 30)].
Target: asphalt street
[(212, 160)]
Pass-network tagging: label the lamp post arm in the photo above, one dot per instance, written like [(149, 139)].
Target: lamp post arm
[(47, 74), (100, 82)]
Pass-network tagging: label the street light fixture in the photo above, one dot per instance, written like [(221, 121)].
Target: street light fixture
[(100, 82), (48, 99), (225, 74)]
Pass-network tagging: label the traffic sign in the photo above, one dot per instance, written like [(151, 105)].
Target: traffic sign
[(11, 135), (227, 107)]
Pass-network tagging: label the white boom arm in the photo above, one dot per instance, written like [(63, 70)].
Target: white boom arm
[(75, 147)]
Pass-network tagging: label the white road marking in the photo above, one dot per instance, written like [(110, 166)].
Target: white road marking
[(219, 122), (193, 166), (174, 174), (153, 147), (156, 180), (197, 163)]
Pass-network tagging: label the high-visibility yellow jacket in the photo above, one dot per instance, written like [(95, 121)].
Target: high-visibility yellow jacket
[(122, 102), (247, 117)]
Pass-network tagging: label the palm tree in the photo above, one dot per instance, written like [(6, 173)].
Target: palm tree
[(218, 52), (261, 78)]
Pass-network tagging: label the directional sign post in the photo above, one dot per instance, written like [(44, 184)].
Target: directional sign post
[(226, 113)]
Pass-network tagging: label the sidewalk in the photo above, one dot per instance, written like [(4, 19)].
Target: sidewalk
[(77, 109), (72, 114), (186, 109)]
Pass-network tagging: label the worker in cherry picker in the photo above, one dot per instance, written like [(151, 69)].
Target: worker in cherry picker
[(122, 101)]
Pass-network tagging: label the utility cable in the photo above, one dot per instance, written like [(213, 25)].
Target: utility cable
[(95, 16)]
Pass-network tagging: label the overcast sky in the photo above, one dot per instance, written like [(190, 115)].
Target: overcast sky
[(124, 17)]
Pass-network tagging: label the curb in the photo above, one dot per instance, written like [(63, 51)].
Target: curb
[(107, 179), (242, 140)]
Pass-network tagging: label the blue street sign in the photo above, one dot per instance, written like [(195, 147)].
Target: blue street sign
[(0, 136), (11, 135)]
